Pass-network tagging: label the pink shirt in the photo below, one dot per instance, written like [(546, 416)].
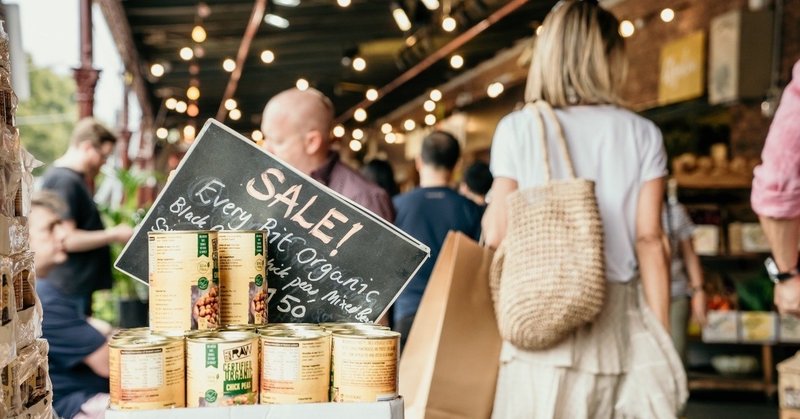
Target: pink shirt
[(776, 186)]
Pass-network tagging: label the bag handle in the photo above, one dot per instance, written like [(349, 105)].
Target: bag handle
[(539, 108)]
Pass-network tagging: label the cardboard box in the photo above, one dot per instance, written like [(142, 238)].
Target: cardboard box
[(722, 326), (789, 383), (758, 326), (380, 410), (705, 239), (789, 329)]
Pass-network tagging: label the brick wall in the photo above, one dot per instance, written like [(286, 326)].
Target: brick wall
[(748, 126)]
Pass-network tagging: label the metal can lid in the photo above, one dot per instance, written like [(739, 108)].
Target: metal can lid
[(291, 326), (240, 328), (352, 325), (293, 334), (365, 334), (221, 336), (142, 341)]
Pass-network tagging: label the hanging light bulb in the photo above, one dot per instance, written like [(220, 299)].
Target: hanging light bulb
[(355, 145), (338, 131), (495, 89), (429, 106), (358, 134), (162, 133), (359, 64), (386, 128), (302, 84), (235, 114), (181, 106), (436, 95), (372, 95), (231, 104), (287, 3), (170, 103), (626, 28), (198, 34), (449, 24), (390, 137), (229, 65), (360, 115), (430, 119), (267, 56), (409, 124), (456, 61), (667, 15), (193, 93), (157, 70), (186, 53), (257, 135)]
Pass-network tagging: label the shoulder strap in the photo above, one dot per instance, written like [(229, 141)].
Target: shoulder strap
[(539, 108)]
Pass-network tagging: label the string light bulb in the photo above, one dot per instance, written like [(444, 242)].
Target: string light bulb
[(229, 65), (198, 34), (449, 24), (359, 64), (430, 119), (181, 106), (192, 110), (626, 28), (186, 53), (358, 134), (257, 135), (390, 138), (302, 84), (235, 114), (409, 124), (267, 56), (193, 93), (456, 61), (170, 103), (429, 106), (495, 89), (338, 131), (162, 133), (667, 15), (372, 95), (360, 115), (355, 145), (157, 70), (386, 128), (343, 3), (436, 95), (231, 104)]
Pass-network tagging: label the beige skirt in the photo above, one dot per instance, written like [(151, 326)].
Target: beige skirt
[(623, 365)]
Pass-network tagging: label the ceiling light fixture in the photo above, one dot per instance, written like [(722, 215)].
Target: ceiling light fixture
[(162, 133), (667, 15), (386, 128), (186, 53), (456, 61), (157, 70), (626, 28), (229, 65), (338, 131), (372, 95), (267, 56), (400, 17), (355, 145), (449, 24), (409, 124), (359, 64), (198, 34), (193, 93), (235, 114), (302, 84), (431, 4), (436, 95), (276, 21), (360, 115)]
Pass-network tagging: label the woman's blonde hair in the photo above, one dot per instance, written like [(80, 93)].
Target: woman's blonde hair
[(578, 58)]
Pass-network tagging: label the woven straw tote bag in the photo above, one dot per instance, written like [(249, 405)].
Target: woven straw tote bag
[(548, 274)]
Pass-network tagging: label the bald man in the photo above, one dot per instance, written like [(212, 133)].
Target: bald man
[(296, 126)]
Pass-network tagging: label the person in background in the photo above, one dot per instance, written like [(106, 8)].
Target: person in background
[(380, 172), (88, 266), (428, 213), (78, 355), (687, 293), (296, 126), (476, 183), (622, 364), (776, 197)]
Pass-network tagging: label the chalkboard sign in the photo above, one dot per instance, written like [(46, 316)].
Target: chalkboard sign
[(329, 259)]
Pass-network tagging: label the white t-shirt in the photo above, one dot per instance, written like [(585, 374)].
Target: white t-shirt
[(616, 148)]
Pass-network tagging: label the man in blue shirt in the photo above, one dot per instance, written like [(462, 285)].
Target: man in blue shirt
[(428, 213), (78, 356)]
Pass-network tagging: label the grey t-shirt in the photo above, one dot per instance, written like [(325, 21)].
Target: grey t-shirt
[(678, 226)]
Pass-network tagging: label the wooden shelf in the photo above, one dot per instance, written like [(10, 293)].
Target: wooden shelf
[(707, 381)]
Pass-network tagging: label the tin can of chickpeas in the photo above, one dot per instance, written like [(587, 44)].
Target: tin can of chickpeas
[(242, 257), (184, 282), (146, 372), (295, 366), (364, 365), (221, 369)]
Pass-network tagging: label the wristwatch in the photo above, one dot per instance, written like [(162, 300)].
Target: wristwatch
[(775, 275)]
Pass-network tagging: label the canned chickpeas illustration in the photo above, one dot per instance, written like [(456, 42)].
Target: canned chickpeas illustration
[(146, 372), (242, 277), (221, 369), (184, 284), (364, 365), (295, 366)]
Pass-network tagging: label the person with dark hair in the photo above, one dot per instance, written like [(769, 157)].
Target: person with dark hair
[(429, 213), (476, 183), (88, 267), (381, 173)]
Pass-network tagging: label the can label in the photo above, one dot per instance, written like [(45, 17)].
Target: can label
[(184, 282), (147, 378), (364, 369), (222, 373), (243, 277), (295, 371)]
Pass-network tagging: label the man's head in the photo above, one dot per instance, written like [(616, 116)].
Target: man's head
[(46, 232), (478, 178), (296, 126), (440, 151), (93, 143)]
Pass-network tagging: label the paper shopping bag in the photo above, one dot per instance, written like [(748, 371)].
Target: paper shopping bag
[(449, 365)]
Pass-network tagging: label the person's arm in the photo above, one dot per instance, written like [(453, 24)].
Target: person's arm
[(783, 236), (695, 272), (78, 240), (652, 250), (495, 219), (98, 361)]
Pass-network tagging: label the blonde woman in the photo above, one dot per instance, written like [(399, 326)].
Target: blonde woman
[(622, 364)]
